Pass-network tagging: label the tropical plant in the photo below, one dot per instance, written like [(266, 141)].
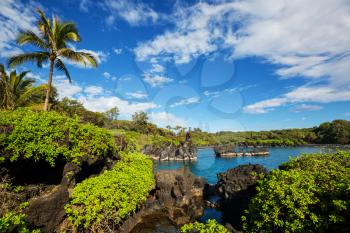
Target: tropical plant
[(50, 136), (52, 38), (17, 90), (309, 194), (14, 221), (211, 226), (104, 201), (112, 114)]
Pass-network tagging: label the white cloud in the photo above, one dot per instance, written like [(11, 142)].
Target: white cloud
[(118, 51), (265, 106), (163, 119), (135, 13), (137, 95), (93, 90), (188, 101), (126, 108), (14, 17), (85, 5), (319, 94), (196, 33), (304, 38), (107, 75), (347, 114), (306, 108), (156, 68), (156, 80), (64, 88)]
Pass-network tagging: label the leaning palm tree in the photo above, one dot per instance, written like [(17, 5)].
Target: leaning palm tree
[(16, 90), (52, 39)]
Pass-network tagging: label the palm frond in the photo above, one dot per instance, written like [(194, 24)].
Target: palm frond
[(78, 57), (69, 32), (30, 94), (38, 57), (29, 37), (60, 66), (44, 25)]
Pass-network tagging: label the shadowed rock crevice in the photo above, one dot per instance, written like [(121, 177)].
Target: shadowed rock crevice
[(236, 187)]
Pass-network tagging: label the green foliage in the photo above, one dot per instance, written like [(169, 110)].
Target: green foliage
[(112, 114), (113, 195), (74, 108), (50, 136), (310, 194), (14, 221), (337, 132), (17, 90), (210, 227)]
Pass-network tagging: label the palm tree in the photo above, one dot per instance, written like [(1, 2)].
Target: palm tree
[(17, 90), (52, 40)]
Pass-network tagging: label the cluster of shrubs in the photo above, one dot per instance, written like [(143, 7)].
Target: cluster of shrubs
[(211, 226), (104, 201), (50, 136), (307, 194)]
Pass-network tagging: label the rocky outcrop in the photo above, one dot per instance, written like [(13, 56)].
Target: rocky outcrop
[(236, 187), (49, 188), (168, 151), (230, 152), (181, 193), (223, 150), (177, 198)]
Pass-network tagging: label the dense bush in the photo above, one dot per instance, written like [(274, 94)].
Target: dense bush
[(210, 227), (107, 199), (337, 132), (309, 194), (50, 136), (14, 221)]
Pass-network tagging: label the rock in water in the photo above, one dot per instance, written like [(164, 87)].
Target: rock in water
[(168, 151), (236, 187)]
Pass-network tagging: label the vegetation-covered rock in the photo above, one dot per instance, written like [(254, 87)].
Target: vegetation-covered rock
[(310, 194), (50, 136), (106, 200)]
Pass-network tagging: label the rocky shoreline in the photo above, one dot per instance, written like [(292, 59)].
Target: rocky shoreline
[(184, 151)]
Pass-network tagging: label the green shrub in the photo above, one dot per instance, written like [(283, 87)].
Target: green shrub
[(310, 194), (112, 196), (50, 136), (210, 227), (15, 222)]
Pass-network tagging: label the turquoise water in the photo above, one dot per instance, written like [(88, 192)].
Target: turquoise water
[(207, 165)]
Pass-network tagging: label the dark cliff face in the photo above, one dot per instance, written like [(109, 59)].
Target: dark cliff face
[(186, 150), (236, 187), (48, 190)]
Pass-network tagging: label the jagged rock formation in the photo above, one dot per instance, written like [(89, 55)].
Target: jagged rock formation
[(167, 151), (236, 187), (178, 197), (49, 188)]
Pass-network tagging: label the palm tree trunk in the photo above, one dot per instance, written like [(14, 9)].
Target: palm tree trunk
[(48, 92)]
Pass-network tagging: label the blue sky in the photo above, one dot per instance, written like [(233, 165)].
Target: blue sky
[(217, 65)]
